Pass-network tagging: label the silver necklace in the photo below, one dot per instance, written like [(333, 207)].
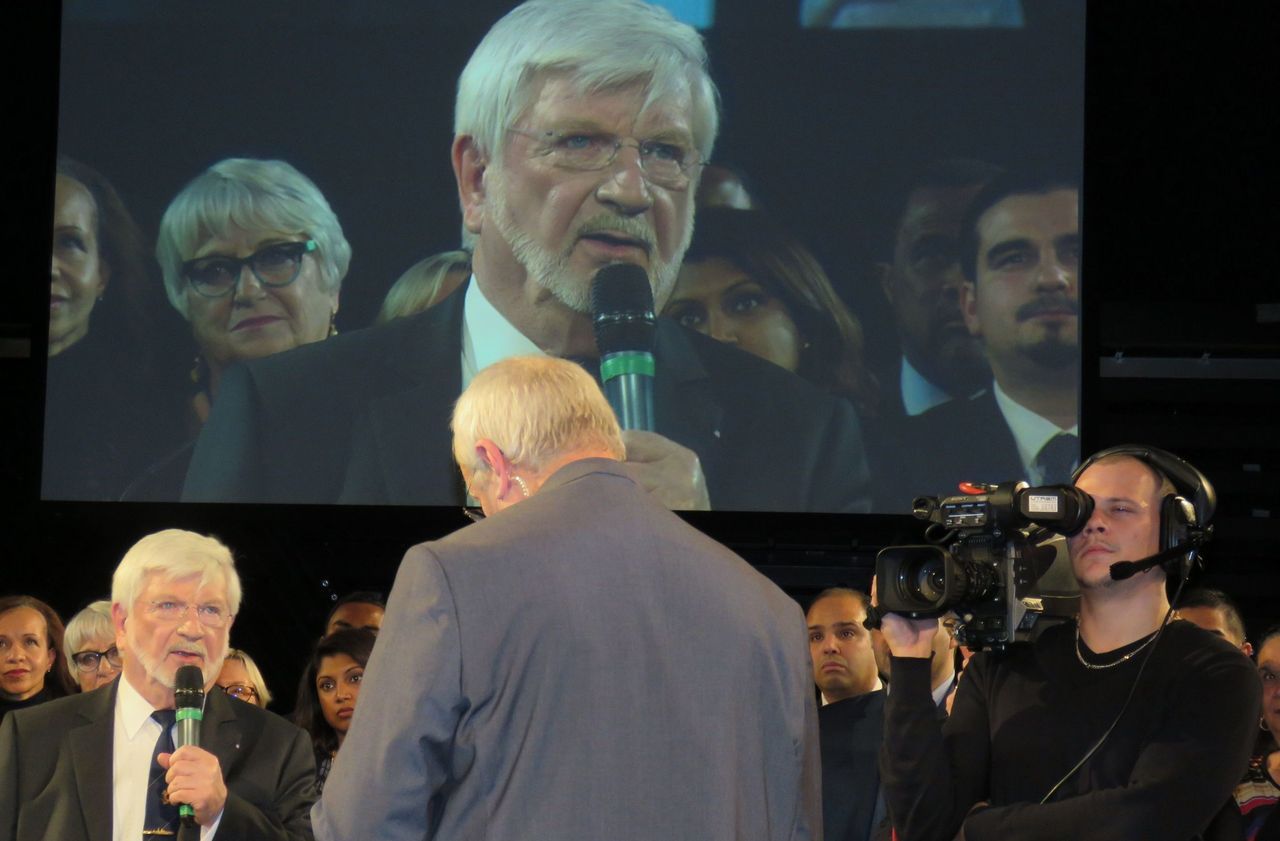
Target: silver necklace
[(1129, 656)]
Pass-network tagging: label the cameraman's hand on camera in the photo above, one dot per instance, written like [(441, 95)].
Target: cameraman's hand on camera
[(909, 637)]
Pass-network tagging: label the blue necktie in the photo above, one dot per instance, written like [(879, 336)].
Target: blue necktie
[(162, 817)]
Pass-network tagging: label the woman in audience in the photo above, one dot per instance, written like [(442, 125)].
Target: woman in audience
[(328, 692), (30, 639), (746, 282), (1259, 792), (106, 336), (241, 678), (425, 283), (90, 647), (253, 258)]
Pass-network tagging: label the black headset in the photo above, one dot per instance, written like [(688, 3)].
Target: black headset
[(1184, 516)]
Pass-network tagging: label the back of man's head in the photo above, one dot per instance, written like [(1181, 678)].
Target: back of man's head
[(599, 45), (1216, 612), (537, 409), (1014, 182)]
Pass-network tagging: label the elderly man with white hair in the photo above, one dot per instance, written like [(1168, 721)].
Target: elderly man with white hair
[(539, 673), (106, 759)]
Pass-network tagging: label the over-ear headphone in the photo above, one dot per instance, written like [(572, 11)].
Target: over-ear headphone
[(1185, 516)]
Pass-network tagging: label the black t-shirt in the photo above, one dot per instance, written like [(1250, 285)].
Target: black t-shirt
[(1023, 718)]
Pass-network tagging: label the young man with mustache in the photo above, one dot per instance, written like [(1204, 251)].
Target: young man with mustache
[(1020, 252)]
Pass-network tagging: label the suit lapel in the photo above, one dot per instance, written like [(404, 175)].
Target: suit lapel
[(685, 407), (221, 732), (88, 744)]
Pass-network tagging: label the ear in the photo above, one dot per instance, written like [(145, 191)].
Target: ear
[(469, 168), (491, 454), (969, 307), (117, 622), (104, 277), (1247, 648), (883, 273)]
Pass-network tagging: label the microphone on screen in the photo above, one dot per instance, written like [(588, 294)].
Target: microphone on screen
[(625, 327)]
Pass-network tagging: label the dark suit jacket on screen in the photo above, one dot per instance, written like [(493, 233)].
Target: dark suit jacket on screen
[(55, 770), (363, 418), (959, 441), (581, 666)]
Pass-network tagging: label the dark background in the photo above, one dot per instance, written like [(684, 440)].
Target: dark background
[(1178, 217)]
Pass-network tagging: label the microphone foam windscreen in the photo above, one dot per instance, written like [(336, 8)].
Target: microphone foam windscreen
[(622, 305)]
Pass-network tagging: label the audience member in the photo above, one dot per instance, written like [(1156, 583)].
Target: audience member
[(425, 283), (253, 257), (90, 646), (1007, 762), (724, 186), (328, 692), (103, 763), (105, 332), (1258, 793), (1215, 611), (534, 677), (30, 638), (941, 360), (747, 283), (580, 129), (851, 721), (360, 609), (1020, 252), (241, 678)]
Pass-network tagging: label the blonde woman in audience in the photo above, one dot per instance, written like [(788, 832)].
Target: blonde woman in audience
[(426, 283), (241, 678)]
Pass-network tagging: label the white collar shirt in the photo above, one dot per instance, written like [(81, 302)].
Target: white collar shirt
[(487, 336), (133, 742), (1030, 431), (918, 394)]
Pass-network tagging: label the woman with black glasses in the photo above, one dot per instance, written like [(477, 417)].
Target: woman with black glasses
[(253, 257), (90, 646)]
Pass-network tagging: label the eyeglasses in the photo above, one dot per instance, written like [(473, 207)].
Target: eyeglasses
[(666, 163), (243, 691), (88, 661), (474, 513), (209, 615), (276, 265)]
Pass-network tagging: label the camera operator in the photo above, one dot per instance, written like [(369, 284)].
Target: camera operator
[(1014, 759)]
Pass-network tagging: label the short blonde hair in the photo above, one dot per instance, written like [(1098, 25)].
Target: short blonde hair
[(93, 621), (174, 554), (534, 408), (255, 675), (419, 287)]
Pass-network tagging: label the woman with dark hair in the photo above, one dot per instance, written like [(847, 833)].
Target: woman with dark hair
[(30, 639), (105, 395), (328, 691), (746, 282)]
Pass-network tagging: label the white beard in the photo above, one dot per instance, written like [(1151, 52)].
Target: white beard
[(552, 271)]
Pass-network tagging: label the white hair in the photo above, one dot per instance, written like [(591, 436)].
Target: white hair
[(175, 554), (598, 45), (534, 408), (94, 622), (249, 194)]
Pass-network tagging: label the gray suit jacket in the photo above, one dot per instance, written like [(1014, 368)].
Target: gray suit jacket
[(55, 770), (583, 665)]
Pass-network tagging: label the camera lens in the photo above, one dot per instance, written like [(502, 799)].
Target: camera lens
[(925, 580)]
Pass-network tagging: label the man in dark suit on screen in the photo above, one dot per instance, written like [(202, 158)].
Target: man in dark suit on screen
[(102, 766), (580, 132), (558, 670)]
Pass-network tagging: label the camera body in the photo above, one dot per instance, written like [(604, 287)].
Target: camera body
[(997, 559)]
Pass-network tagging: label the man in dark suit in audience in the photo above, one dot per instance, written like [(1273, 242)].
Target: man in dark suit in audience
[(1021, 255), (851, 720), (537, 675), (580, 133), (102, 765)]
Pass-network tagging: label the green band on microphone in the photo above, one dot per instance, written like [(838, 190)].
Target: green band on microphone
[(183, 713), (626, 362)]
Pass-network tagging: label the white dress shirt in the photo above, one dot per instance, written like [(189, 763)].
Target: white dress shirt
[(918, 394), (487, 336), (1030, 431), (134, 740)]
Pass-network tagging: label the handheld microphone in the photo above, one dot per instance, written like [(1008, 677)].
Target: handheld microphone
[(625, 327), (188, 693)]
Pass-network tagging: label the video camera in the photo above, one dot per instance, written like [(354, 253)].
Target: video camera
[(998, 559)]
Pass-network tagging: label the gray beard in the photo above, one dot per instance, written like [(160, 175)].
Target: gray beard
[(552, 271)]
